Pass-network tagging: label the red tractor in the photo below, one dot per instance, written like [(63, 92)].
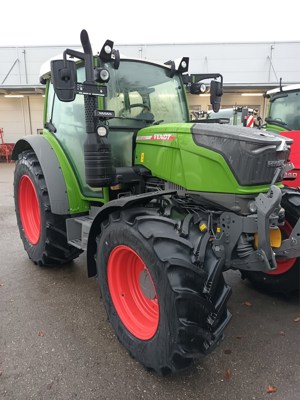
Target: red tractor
[(284, 117)]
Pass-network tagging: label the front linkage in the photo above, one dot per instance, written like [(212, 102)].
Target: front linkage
[(237, 234)]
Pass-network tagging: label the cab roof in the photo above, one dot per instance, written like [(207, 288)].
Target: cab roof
[(288, 88), (45, 67)]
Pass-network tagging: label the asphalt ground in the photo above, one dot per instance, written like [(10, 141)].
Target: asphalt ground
[(56, 342)]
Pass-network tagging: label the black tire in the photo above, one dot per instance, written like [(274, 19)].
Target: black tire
[(192, 300), (47, 243), (284, 283)]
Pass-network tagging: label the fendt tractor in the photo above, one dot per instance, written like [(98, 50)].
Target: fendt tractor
[(284, 118), (162, 206)]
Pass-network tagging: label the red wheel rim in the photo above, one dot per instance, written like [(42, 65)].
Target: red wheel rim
[(133, 292), (284, 265), (29, 209)]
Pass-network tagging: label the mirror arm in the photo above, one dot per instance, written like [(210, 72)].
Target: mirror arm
[(73, 53), (200, 77), (86, 57)]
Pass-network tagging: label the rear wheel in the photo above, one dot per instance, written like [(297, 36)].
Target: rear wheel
[(165, 310), (43, 233), (286, 278)]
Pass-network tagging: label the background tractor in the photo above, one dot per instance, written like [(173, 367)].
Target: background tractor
[(161, 205), (237, 115), (284, 118)]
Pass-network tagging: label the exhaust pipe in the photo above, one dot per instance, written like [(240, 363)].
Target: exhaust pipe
[(99, 170)]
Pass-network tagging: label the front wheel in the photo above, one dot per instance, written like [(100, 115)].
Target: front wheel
[(165, 310), (286, 278)]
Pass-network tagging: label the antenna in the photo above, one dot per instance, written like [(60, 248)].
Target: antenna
[(280, 84)]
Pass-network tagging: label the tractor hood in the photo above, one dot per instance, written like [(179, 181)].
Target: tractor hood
[(253, 155), (213, 157)]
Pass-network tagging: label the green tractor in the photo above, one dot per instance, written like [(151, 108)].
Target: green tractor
[(162, 206)]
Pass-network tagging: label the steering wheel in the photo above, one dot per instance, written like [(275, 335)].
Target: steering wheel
[(144, 106)]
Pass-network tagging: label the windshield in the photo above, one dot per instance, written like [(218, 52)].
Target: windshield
[(285, 111), (142, 94)]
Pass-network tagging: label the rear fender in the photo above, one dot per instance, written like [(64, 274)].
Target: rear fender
[(51, 169)]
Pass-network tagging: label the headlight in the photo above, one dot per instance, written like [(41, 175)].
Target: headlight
[(104, 75), (101, 75), (102, 130)]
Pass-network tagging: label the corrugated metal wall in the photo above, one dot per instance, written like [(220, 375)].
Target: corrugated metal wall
[(238, 62)]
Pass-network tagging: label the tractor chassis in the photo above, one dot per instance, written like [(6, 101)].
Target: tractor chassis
[(231, 244)]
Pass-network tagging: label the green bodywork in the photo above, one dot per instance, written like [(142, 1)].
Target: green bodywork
[(170, 153), (167, 149), (78, 203), (69, 152)]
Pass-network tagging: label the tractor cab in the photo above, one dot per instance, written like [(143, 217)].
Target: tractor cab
[(139, 93), (123, 95), (284, 108)]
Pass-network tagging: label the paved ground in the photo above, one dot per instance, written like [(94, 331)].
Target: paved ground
[(56, 343)]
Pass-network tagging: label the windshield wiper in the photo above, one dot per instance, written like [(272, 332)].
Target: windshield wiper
[(276, 122), (158, 122), (135, 119)]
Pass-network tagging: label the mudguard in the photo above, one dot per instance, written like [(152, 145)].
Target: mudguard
[(54, 178), (105, 211)]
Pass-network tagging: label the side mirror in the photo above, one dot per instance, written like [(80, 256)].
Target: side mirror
[(64, 79), (216, 92)]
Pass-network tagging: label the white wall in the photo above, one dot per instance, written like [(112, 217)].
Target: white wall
[(21, 116)]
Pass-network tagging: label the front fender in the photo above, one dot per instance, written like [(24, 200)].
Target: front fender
[(105, 211)]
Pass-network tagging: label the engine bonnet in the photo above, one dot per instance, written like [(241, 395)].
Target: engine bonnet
[(253, 155)]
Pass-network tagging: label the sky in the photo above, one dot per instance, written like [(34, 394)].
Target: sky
[(32, 22)]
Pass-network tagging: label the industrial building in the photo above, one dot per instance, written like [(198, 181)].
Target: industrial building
[(249, 70)]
